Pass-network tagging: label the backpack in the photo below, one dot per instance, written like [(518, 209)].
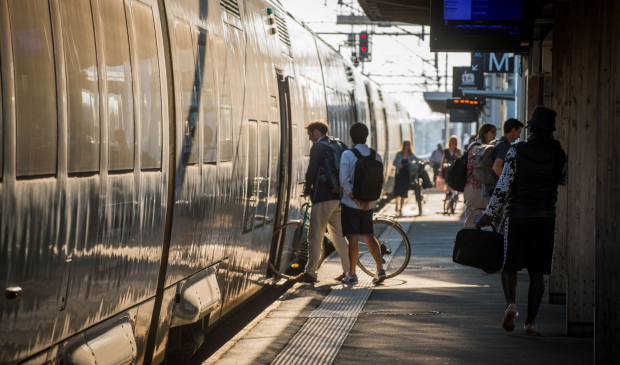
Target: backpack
[(482, 164), (368, 178), (329, 171), (457, 175)]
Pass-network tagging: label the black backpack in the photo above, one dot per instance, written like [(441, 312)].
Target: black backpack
[(329, 172), (368, 179), (457, 175)]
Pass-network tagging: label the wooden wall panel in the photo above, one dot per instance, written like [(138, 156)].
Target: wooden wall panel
[(560, 102), (583, 114), (607, 321)]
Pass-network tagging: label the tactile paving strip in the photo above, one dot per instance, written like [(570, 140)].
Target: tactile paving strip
[(320, 338)]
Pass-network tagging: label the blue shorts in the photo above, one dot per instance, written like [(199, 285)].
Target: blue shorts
[(356, 222)]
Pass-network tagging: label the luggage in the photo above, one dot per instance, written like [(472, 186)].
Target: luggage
[(368, 182), (329, 172), (457, 175), (479, 248)]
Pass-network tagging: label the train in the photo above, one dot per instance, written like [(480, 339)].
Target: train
[(149, 148)]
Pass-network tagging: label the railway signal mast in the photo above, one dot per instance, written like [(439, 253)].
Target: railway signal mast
[(364, 47)]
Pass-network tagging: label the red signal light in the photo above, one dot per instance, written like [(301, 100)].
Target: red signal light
[(364, 48), (364, 36)]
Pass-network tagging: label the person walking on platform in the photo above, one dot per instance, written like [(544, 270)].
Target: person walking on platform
[(361, 177), (512, 130), (435, 160), (401, 185), (450, 154), (323, 188), (474, 202), (528, 187)]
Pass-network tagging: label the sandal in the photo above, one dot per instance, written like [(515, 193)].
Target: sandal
[(508, 324)]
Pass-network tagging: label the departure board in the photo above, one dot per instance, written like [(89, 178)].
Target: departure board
[(482, 17), (481, 25)]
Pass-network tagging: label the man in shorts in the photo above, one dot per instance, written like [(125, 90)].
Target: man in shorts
[(528, 187), (357, 215)]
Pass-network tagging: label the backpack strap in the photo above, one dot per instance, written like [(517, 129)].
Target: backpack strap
[(357, 153), (373, 154)]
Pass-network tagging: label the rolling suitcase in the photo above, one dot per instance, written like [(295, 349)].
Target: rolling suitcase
[(480, 249)]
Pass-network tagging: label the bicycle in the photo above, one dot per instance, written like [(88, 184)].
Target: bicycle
[(452, 196), (418, 187), (299, 251), (395, 247)]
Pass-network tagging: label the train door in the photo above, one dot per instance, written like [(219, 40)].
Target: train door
[(285, 150), (285, 158)]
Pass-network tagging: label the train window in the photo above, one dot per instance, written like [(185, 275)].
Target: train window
[(208, 102), (82, 86), (35, 87), (119, 85), (190, 89), (252, 189), (263, 180), (150, 88), (232, 94), (274, 146), (226, 150)]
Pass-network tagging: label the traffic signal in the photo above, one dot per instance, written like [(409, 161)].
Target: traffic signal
[(464, 104), (364, 51)]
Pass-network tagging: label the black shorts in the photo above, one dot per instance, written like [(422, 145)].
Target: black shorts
[(528, 244), (356, 222)]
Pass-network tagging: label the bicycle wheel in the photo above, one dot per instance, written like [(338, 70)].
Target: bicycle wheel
[(446, 205), (395, 249), (294, 256)]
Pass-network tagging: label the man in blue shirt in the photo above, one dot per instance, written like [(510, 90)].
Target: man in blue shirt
[(357, 215)]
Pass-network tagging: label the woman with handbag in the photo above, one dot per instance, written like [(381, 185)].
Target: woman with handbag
[(401, 185)]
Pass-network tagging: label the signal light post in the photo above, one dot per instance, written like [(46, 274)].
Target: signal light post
[(364, 47)]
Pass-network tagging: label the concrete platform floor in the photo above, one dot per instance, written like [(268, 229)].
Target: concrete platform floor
[(435, 312)]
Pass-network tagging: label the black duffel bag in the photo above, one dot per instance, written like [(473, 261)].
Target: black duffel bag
[(479, 248)]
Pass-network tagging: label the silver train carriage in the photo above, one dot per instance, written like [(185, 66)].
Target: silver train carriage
[(149, 147)]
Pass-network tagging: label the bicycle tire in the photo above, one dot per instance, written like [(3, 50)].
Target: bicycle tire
[(297, 251), (392, 225), (446, 205)]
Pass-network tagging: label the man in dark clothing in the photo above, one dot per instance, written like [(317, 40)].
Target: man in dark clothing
[(325, 203), (528, 187), (512, 131)]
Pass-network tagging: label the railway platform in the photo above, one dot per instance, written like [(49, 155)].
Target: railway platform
[(435, 312)]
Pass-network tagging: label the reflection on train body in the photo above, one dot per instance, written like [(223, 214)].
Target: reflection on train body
[(148, 150)]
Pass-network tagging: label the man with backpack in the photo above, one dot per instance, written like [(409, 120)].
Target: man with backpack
[(361, 177), (512, 130), (323, 188)]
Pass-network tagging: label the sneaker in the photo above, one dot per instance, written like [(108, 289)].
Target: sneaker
[(530, 330), (350, 279), (508, 324), (380, 277), (340, 277), (304, 278)]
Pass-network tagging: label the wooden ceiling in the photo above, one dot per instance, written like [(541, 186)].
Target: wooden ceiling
[(406, 11)]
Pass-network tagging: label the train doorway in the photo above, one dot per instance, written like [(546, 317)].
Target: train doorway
[(285, 158)]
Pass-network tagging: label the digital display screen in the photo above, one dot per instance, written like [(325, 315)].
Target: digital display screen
[(482, 17)]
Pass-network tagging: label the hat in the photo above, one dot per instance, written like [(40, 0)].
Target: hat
[(543, 118)]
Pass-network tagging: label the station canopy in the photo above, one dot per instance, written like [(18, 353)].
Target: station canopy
[(405, 11)]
